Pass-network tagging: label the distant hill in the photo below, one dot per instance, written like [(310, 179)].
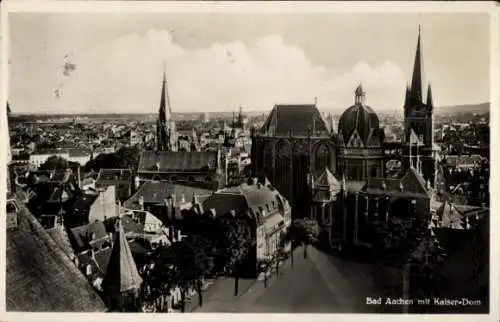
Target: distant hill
[(480, 108)]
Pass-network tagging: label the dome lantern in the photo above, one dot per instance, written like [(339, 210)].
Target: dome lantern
[(359, 95)]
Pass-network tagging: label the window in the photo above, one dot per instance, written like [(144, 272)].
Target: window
[(322, 157)]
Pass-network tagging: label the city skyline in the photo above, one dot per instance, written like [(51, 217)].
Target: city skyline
[(110, 63)]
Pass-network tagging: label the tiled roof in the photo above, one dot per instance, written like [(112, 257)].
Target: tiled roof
[(82, 234), (178, 161), (99, 263), (415, 183), (157, 191), (59, 235), (114, 175), (40, 277), (246, 198), (85, 201), (128, 224), (297, 118), (121, 274)]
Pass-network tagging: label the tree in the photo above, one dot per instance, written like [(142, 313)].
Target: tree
[(199, 261), (160, 277), (124, 158), (56, 163), (305, 232), (235, 245)]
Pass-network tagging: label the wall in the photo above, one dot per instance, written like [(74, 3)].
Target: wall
[(105, 205)]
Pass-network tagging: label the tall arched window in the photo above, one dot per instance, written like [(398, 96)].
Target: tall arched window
[(283, 163), (322, 157)]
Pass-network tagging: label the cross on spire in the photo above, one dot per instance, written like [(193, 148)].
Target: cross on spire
[(416, 81)]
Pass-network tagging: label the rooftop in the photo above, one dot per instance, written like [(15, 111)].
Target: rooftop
[(40, 277), (182, 161)]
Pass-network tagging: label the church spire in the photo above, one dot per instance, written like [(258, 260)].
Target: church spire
[(165, 109), (416, 81), (121, 276), (240, 118), (429, 96)]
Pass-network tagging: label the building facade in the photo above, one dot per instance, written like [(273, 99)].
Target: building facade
[(267, 212), (295, 143)]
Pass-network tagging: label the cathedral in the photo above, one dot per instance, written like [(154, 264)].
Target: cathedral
[(311, 164)]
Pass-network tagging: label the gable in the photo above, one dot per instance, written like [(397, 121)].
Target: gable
[(373, 139), (355, 141), (414, 182)]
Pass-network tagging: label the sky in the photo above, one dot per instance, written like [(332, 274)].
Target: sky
[(113, 63)]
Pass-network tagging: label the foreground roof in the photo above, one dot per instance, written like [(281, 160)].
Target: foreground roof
[(40, 277)]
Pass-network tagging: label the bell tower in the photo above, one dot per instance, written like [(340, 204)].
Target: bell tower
[(420, 151)]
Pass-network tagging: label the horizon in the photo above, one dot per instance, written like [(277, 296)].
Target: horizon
[(439, 108), (88, 63)]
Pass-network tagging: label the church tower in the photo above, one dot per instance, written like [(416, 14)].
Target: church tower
[(417, 111), (418, 122), (122, 282), (166, 135)]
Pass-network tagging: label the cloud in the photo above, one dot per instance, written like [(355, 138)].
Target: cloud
[(124, 75)]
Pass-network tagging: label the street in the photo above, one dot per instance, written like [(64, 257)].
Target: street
[(318, 284)]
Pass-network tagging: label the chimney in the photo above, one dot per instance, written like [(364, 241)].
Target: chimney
[(315, 101), (88, 270), (79, 178), (174, 200), (141, 202), (195, 199)]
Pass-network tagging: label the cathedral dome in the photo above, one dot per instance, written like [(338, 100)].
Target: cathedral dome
[(359, 117)]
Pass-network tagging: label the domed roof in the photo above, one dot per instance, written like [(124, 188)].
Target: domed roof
[(359, 117)]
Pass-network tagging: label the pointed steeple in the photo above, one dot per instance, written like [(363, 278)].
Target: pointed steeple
[(165, 111), (416, 81), (429, 96), (121, 275), (240, 118)]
